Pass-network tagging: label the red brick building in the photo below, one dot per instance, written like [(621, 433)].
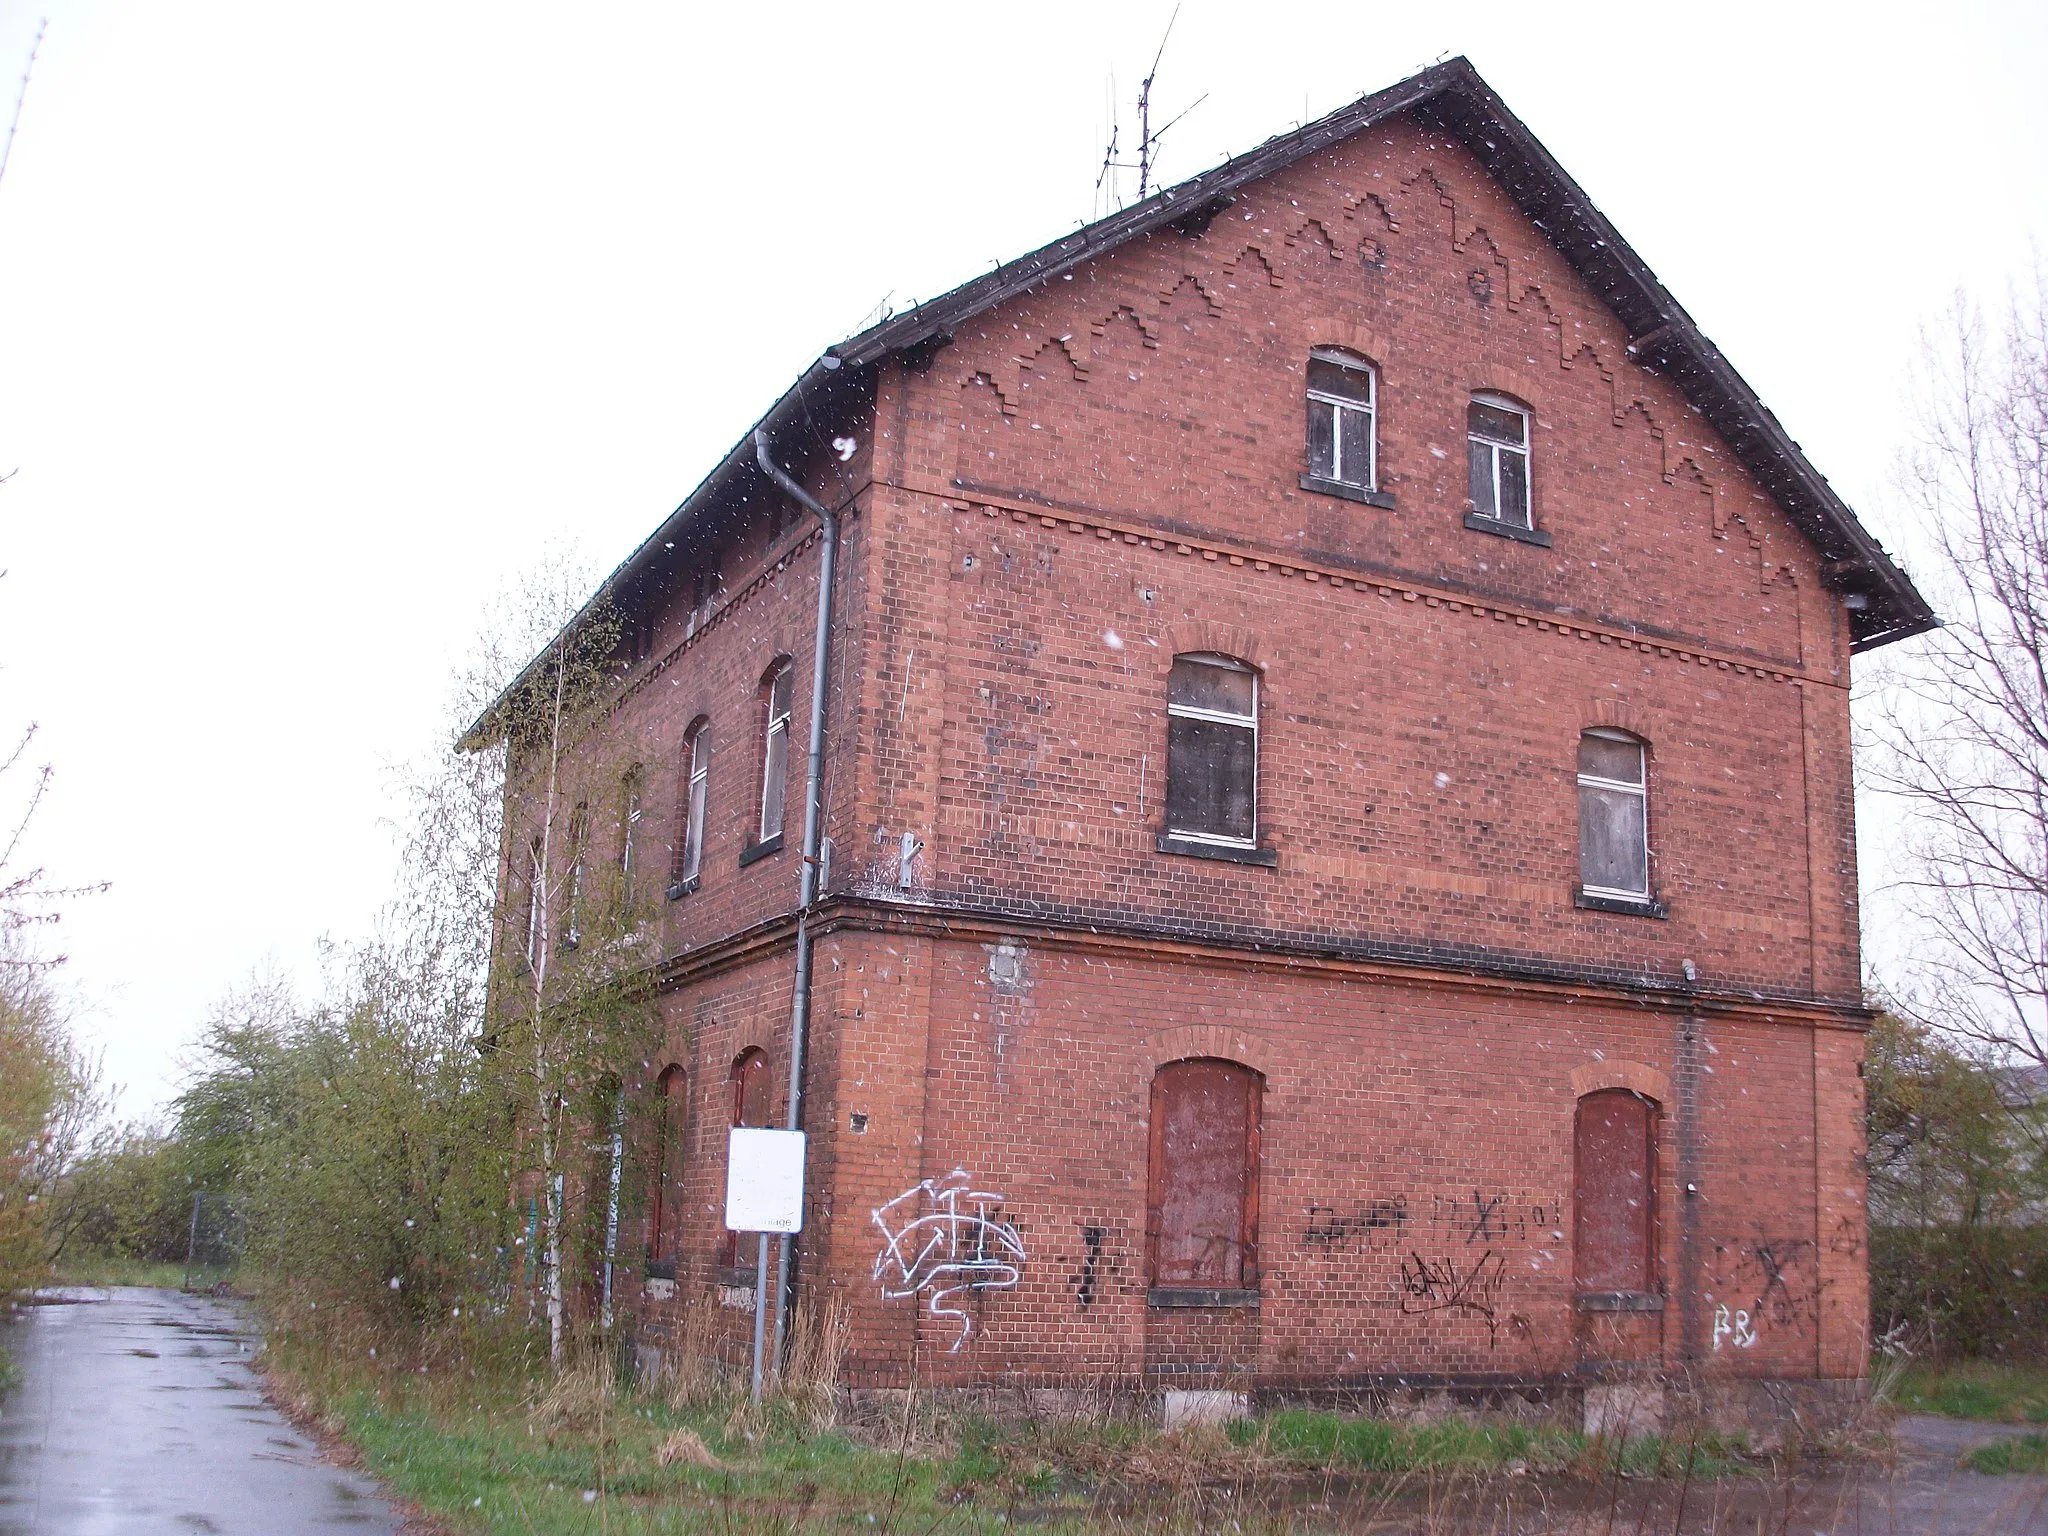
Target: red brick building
[(1340, 855)]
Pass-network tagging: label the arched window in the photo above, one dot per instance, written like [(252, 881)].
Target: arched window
[(695, 787), (1614, 816), (1212, 750), (1343, 444), (751, 1106), (1614, 1195), (776, 688), (1497, 440), (1202, 1211), (671, 1107)]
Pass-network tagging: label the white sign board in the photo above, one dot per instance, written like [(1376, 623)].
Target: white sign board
[(764, 1180)]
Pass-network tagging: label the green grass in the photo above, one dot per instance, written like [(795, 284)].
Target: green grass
[(1380, 1445), (10, 1373), (1977, 1389), (468, 1452), (2026, 1453), (1383, 1446), (99, 1269), (467, 1446)]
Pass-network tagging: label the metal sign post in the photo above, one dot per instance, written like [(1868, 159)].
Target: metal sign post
[(764, 1193)]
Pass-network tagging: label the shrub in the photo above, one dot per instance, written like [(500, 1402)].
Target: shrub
[(1966, 1291)]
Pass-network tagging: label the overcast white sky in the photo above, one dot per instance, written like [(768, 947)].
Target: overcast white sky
[(321, 321)]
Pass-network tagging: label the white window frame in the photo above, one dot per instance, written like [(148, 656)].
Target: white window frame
[(1503, 403), (1338, 404), (1640, 789), (629, 836), (579, 838), (536, 904), (776, 723), (696, 795), (1220, 717)]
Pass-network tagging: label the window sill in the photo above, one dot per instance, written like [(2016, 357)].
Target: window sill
[(1479, 523), (1268, 857), (1201, 1296), (754, 852), (1620, 1301), (1627, 906), (661, 1269), (732, 1274), (1384, 500), (678, 889)]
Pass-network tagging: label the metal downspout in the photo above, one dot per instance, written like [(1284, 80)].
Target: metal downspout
[(814, 785)]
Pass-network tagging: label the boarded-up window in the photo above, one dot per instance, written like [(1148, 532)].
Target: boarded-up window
[(671, 1103), (1615, 1193), (750, 1106), (775, 696), (1203, 1214), (1614, 816), (1212, 750)]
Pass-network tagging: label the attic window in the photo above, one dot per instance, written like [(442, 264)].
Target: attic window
[(1497, 437), (1342, 403)]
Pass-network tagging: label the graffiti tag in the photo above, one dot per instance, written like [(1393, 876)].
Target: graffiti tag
[(939, 1239), (1330, 1230), (1735, 1326), (1442, 1285)]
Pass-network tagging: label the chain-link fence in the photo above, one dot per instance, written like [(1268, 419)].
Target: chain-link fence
[(213, 1249)]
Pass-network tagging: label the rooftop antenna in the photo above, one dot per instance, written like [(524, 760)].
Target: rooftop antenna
[(1148, 140)]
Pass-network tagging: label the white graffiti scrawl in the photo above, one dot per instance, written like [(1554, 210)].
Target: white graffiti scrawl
[(938, 1238)]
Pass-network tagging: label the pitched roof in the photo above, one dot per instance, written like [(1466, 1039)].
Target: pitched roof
[(1885, 606)]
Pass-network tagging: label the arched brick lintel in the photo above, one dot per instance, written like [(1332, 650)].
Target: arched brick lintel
[(1219, 639), (1632, 1075), (1492, 378), (1213, 1040), (1330, 330)]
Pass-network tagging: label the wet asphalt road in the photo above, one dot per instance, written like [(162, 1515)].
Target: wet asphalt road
[(139, 1412)]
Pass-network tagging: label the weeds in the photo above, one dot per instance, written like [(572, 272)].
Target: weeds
[(1976, 1389), (2023, 1453)]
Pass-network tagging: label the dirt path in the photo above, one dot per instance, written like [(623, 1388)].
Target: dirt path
[(139, 1411)]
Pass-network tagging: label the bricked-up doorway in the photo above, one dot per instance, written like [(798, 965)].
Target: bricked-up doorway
[(1201, 1223), (750, 1107), (1615, 1281), (665, 1214)]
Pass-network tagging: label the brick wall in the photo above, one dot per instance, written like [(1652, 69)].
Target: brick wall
[(1105, 473)]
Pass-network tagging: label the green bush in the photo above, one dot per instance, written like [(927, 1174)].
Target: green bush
[(1963, 1292)]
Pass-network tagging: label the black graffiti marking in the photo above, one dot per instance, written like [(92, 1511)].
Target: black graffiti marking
[(1327, 1229), (1486, 1223), (1438, 1286), (1776, 1272), (1092, 1238), (1490, 1219), (1775, 1258)]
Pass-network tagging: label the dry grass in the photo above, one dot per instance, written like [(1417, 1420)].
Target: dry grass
[(687, 1447), (809, 1384), (579, 1399)]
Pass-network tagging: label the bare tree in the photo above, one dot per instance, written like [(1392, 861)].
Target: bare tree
[(1960, 724), (571, 984)]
